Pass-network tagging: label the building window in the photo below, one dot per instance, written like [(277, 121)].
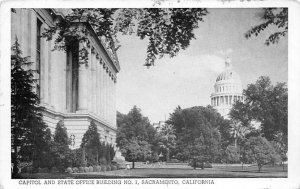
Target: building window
[(38, 56)]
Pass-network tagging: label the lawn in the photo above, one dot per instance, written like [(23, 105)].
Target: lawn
[(174, 171)]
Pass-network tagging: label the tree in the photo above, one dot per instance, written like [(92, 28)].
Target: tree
[(27, 126), (231, 154), (133, 139), (197, 132), (135, 149), (260, 151), (60, 147), (277, 17), (240, 121), (168, 30), (267, 105), (167, 139), (91, 144)]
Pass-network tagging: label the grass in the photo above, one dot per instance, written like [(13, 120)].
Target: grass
[(173, 171)]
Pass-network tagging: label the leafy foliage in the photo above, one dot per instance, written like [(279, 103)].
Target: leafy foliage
[(167, 139), (168, 30), (266, 104), (260, 151), (272, 16), (133, 136), (96, 152), (28, 131), (60, 147), (197, 133), (231, 154)]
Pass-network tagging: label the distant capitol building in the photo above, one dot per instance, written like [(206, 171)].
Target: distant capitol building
[(227, 90)]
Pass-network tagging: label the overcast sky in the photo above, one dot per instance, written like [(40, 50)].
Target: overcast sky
[(187, 79)]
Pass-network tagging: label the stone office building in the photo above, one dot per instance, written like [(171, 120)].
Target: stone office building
[(73, 92)]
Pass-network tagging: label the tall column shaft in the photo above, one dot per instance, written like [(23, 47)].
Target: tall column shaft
[(94, 86), (102, 91), (82, 84), (98, 87)]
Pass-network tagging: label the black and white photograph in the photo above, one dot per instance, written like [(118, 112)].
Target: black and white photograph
[(164, 94)]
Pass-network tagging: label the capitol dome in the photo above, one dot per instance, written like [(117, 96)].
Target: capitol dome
[(228, 74), (227, 90)]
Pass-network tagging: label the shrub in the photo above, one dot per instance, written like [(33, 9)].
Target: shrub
[(103, 161), (103, 168), (40, 170), (45, 170), (86, 169), (108, 168), (98, 168), (54, 170), (24, 170), (29, 169), (94, 168), (119, 166), (91, 169), (113, 167), (69, 170), (75, 170), (81, 170)]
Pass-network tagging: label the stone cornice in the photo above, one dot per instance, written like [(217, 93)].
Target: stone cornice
[(87, 115)]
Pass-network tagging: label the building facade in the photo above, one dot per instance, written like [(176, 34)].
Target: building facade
[(227, 90), (74, 92)]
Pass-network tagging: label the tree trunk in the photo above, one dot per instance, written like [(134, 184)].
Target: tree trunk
[(132, 164), (259, 168), (168, 155), (97, 158), (235, 142)]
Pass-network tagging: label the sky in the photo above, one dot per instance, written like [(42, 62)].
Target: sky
[(187, 80)]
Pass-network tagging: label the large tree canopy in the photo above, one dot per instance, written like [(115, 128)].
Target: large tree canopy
[(267, 105), (168, 30), (197, 130), (135, 135)]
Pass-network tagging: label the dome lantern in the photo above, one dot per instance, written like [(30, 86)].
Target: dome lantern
[(227, 63)]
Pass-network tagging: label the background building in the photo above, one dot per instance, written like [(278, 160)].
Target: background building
[(69, 90), (227, 89)]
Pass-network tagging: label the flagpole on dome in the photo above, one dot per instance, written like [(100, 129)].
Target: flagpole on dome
[(227, 63)]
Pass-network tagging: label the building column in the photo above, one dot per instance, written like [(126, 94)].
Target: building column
[(102, 90), (82, 84), (98, 86), (109, 97), (89, 81), (94, 83), (106, 95)]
